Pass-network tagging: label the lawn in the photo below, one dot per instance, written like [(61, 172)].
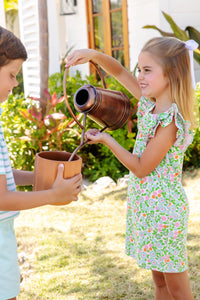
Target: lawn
[(77, 251)]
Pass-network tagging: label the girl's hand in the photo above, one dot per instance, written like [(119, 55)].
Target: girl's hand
[(95, 136), (79, 57), (66, 190)]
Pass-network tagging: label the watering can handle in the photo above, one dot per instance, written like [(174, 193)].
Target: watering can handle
[(65, 92)]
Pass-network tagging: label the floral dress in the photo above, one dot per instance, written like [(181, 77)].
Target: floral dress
[(157, 206)]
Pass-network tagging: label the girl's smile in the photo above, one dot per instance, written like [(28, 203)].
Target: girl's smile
[(152, 81)]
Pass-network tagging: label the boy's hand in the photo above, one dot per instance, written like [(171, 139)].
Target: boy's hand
[(66, 190)]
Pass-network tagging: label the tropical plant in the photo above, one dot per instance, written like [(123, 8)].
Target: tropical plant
[(188, 33), (47, 130)]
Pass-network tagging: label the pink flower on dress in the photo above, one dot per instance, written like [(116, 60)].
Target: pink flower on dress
[(177, 224)]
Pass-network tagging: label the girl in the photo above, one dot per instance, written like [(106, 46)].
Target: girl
[(12, 55), (157, 208)]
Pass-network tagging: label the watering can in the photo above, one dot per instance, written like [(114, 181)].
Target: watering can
[(109, 109)]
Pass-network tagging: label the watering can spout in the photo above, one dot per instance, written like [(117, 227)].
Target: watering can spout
[(105, 107), (84, 98)]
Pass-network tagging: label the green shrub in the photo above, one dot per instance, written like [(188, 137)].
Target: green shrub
[(18, 90), (22, 152)]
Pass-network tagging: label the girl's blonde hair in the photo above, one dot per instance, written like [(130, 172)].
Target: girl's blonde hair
[(173, 57)]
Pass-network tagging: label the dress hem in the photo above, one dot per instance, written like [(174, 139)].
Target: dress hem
[(152, 268)]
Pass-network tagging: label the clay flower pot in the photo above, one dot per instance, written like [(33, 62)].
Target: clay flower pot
[(46, 166)]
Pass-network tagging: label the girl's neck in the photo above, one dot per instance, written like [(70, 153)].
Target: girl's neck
[(161, 106)]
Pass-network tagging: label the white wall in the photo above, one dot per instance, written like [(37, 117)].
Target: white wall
[(73, 33), (149, 12), (140, 13), (54, 55)]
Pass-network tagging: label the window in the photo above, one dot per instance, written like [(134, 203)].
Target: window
[(108, 28)]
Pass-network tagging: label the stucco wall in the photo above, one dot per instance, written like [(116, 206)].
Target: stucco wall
[(73, 33)]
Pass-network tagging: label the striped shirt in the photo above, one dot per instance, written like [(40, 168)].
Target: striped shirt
[(6, 169)]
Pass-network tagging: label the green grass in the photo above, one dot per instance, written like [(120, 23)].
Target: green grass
[(77, 251)]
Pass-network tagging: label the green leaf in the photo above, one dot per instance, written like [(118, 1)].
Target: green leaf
[(194, 34), (179, 33), (163, 33)]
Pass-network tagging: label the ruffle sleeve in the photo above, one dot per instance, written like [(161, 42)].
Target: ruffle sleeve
[(184, 134)]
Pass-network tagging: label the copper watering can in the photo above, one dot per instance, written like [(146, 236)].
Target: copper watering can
[(109, 109)]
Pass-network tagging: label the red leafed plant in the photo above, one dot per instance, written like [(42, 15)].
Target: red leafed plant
[(47, 131)]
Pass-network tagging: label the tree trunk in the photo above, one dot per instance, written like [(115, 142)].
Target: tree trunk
[(44, 50)]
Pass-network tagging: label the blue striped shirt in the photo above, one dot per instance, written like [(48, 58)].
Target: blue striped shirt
[(6, 169)]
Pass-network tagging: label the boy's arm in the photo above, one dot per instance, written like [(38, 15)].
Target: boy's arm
[(23, 177), (63, 192)]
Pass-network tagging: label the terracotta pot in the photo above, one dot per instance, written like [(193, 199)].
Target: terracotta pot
[(46, 166)]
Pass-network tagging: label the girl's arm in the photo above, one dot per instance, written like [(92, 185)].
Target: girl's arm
[(63, 192), (154, 153), (23, 177), (109, 64)]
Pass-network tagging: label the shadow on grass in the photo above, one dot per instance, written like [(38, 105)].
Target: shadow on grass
[(108, 279), (107, 276), (91, 270)]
